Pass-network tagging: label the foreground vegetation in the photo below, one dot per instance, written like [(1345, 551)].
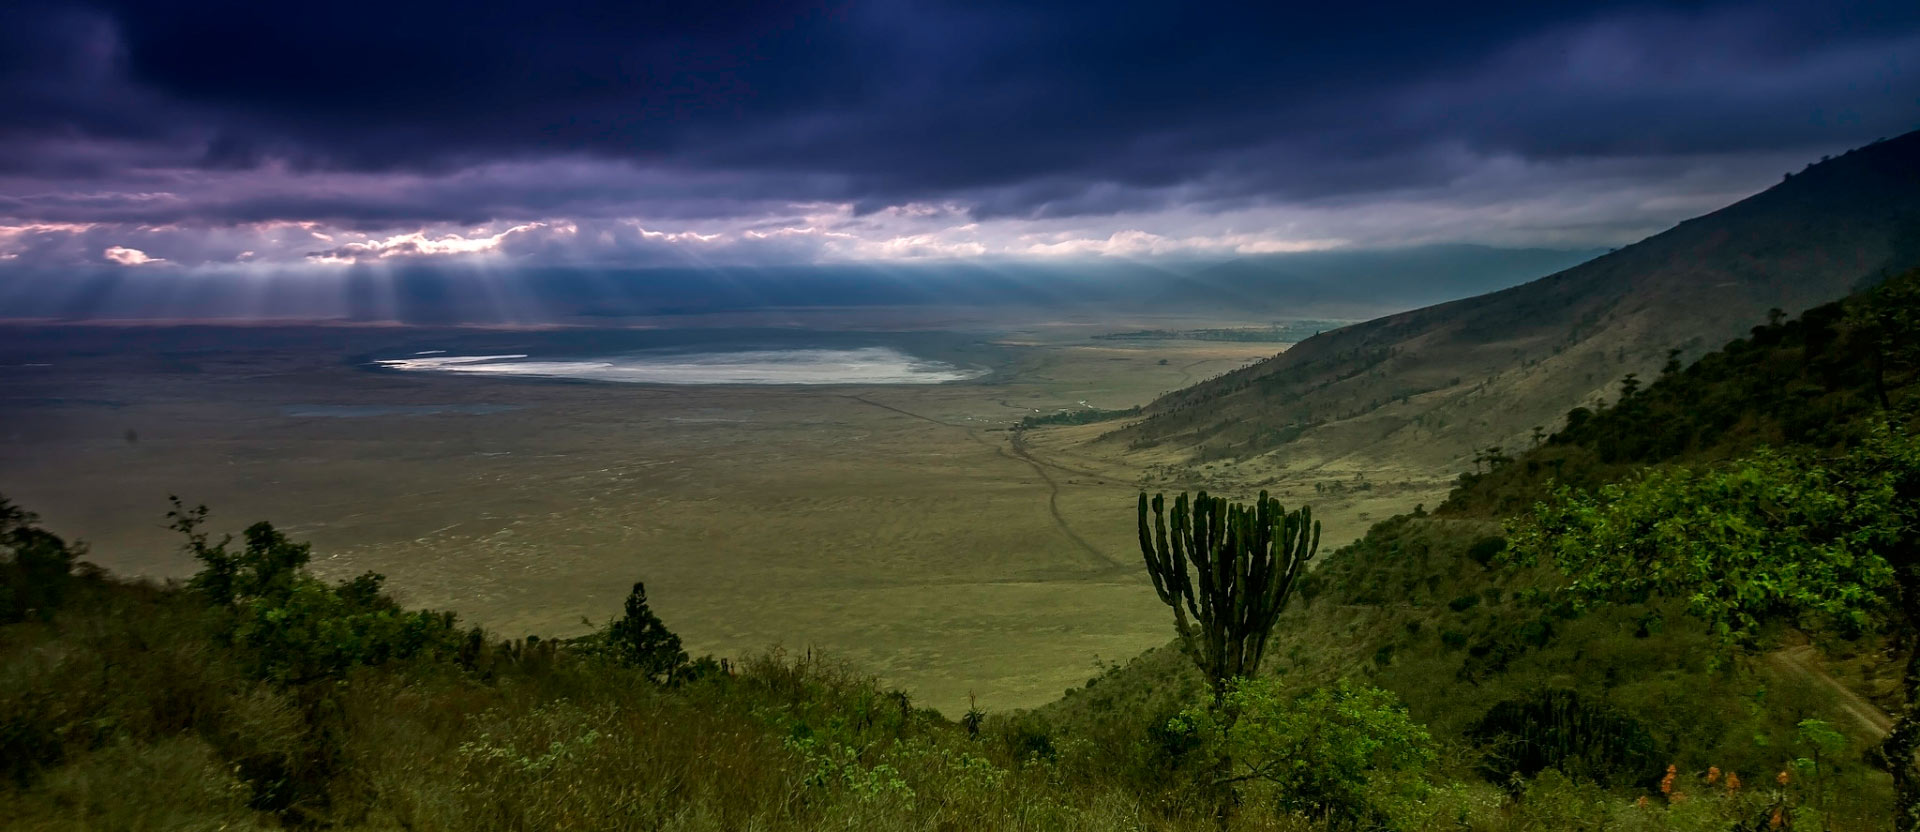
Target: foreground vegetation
[(1515, 661), (258, 696)]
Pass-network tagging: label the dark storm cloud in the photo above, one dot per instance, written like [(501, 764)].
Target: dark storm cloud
[(363, 200), (376, 113)]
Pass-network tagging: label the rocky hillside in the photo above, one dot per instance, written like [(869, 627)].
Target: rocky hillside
[(1428, 388)]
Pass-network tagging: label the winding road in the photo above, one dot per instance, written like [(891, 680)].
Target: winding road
[(1100, 560), (1804, 660)]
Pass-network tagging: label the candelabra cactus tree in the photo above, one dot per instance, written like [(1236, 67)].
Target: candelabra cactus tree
[(1227, 570)]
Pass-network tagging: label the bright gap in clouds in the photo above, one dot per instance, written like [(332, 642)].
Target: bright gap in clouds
[(1500, 202), (129, 256)]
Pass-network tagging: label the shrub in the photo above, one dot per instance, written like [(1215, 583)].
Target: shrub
[(318, 632), (268, 566), (1558, 729), (36, 567), (1348, 754), (1484, 550), (295, 628)]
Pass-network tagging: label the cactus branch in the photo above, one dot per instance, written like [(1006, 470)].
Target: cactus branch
[(1245, 561)]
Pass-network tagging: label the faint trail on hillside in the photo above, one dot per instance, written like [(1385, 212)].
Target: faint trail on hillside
[(1020, 447), (1802, 660), (1053, 507), (864, 400), (1107, 564), (1186, 373)]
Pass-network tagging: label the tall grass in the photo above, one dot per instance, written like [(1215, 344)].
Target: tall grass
[(125, 711), (136, 706)]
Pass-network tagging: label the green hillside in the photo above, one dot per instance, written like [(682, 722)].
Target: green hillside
[(1423, 606), (1807, 381)]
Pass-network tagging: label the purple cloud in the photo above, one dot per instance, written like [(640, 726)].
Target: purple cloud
[(230, 134)]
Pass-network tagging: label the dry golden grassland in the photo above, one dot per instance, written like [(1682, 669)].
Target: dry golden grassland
[(897, 526)]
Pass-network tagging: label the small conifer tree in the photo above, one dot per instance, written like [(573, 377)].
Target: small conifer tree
[(641, 640)]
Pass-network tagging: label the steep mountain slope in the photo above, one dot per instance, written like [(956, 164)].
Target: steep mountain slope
[(1425, 388), (1819, 381), (1354, 285)]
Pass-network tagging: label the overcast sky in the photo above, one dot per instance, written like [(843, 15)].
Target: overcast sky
[(253, 135)]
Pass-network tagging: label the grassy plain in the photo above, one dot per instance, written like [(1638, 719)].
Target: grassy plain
[(901, 527)]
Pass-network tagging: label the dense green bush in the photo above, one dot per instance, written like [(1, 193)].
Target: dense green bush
[(1558, 729), (35, 566), (1348, 755), (292, 627), (1484, 550)]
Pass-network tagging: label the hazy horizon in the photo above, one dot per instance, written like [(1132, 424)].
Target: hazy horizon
[(1349, 285)]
